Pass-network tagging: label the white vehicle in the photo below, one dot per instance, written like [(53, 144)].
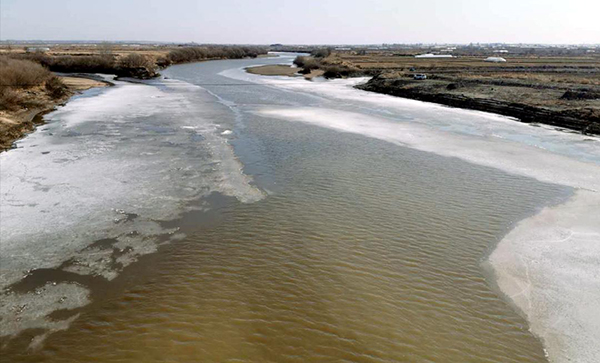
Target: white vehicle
[(420, 76)]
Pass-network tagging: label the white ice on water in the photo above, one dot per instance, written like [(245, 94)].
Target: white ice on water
[(110, 166)]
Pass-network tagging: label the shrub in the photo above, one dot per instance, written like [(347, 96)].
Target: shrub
[(338, 71), (311, 63), (9, 98), (76, 64), (307, 63), (135, 60), (321, 53), (305, 71), (55, 87), (192, 54), (299, 61), (20, 73), (163, 62)]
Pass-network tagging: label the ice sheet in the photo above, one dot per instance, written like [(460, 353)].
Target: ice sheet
[(109, 167)]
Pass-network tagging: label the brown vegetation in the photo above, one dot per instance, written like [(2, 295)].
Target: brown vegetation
[(195, 54), (26, 89), (56, 88), (330, 67), (20, 73), (142, 64), (16, 76)]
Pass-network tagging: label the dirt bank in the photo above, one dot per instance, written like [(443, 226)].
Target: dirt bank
[(15, 124)]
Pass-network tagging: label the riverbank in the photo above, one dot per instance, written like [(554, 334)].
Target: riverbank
[(17, 122), (526, 102), (559, 91), (126, 61)]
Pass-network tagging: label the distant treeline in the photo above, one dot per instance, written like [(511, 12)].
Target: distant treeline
[(194, 54), (135, 64)]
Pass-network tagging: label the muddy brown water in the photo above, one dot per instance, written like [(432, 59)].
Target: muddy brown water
[(362, 251)]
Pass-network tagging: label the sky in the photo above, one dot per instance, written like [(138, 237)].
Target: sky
[(304, 22)]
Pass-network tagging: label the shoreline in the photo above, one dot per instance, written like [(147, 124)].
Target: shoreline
[(546, 266), (522, 112), (586, 122), (562, 92), (16, 125)]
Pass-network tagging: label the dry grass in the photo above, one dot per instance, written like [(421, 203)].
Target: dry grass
[(133, 62), (21, 73), (21, 80), (17, 75)]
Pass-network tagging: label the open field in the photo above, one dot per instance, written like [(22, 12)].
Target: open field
[(88, 50)]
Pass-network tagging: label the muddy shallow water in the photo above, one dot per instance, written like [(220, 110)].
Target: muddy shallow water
[(210, 217)]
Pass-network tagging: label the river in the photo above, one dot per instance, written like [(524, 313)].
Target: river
[(214, 215)]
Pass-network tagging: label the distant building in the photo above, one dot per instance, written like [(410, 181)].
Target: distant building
[(495, 59), (431, 55), (37, 49)]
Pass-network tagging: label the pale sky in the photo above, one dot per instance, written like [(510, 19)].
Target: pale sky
[(304, 22)]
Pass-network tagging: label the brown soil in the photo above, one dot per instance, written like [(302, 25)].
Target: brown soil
[(81, 84)]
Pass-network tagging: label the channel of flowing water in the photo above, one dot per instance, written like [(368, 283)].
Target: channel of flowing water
[(223, 216)]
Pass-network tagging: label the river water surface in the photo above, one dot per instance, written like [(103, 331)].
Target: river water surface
[(218, 216)]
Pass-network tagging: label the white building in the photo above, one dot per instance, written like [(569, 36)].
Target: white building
[(495, 59), (431, 55), (37, 49)]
